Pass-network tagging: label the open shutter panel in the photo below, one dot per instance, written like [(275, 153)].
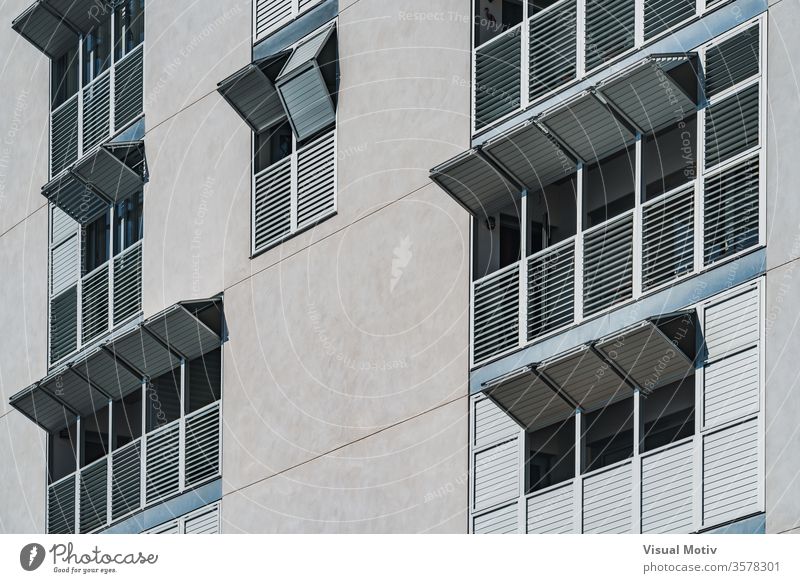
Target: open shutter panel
[(254, 97), (109, 169), (46, 30), (303, 90)]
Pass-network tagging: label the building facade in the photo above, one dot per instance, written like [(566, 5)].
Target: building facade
[(238, 299)]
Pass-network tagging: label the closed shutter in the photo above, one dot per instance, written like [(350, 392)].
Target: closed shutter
[(204, 522), (93, 496), (271, 15), (64, 265), (661, 15), (126, 480), (61, 506), (129, 88), (500, 521), (496, 314), (608, 265), (94, 304), (731, 388), (64, 136), (127, 284), (316, 180), (202, 446), (63, 324), (730, 473), (667, 505), (273, 204), (491, 424), (732, 125), (732, 323), (162, 469), (551, 289), (170, 527), (731, 210), (610, 27), (553, 54), (552, 512), (667, 238), (608, 501), (732, 61), (496, 478), (96, 111), (498, 78)]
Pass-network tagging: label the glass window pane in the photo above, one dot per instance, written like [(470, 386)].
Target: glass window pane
[(272, 145), (551, 455), (608, 435)]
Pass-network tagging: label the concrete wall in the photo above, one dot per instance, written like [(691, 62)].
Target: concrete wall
[(346, 370), (23, 270), (783, 276)]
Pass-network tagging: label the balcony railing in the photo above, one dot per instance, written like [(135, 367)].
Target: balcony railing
[(101, 300), (562, 43), (620, 260), (100, 109), (174, 458)]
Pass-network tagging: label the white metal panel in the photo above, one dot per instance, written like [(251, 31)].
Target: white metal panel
[(62, 226), (500, 521), (316, 180), (491, 424), (608, 265), (731, 388), (205, 521), (64, 265), (496, 476), (731, 473), (551, 512), (732, 323), (667, 478), (495, 318), (270, 15), (608, 501), (170, 527)]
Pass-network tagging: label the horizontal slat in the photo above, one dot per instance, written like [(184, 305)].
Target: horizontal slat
[(498, 78), (496, 314), (496, 475), (553, 49)]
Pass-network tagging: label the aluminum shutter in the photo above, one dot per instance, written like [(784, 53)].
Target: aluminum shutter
[(316, 180), (551, 289), (608, 501), (64, 265), (63, 324), (75, 198), (61, 506), (668, 238), (203, 522), (162, 465), (552, 59), (608, 265), (498, 78), (491, 424), (495, 318), (732, 324), (732, 61), (610, 28), (254, 97), (107, 170), (272, 204), (667, 497), (530, 401), (552, 512), (126, 465), (93, 496), (45, 30), (731, 387), (496, 477), (732, 126), (661, 15), (500, 521), (731, 479), (303, 90)]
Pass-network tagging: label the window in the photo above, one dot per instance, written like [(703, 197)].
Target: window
[(127, 424), (669, 158), (552, 214), (610, 188), (94, 436), (669, 414), (163, 399), (608, 435), (551, 455), (97, 51), (64, 77), (97, 242), (128, 222), (493, 17), (128, 26), (272, 146), (204, 381), (497, 240), (63, 458)]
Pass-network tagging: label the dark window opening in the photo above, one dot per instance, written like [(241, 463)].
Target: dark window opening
[(497, 240), (128, 222), (97, 242), (328, 61), (94, 436), (62, 459), (669, 158), (493, 17), (509, 240), (128, 26), (204, 380), (610, 187), (97, 51), (272, 145), (551, 455), (64, 77), (608, 435), (163, 397), (552, 214), (127, 425), (669, 413)]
